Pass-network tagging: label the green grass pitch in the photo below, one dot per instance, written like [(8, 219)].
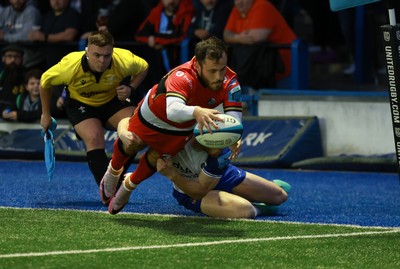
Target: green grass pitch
[(36, 238)]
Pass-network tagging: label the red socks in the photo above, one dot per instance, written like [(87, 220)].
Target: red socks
[(119, 158), (143, 171)]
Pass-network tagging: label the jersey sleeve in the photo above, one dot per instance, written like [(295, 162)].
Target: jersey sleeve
[(55, 75), (129, 63), (179, 85), (178, 111), (233, 96), (138, 65)]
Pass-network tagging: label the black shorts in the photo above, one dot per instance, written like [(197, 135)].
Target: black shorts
[(78, 111)]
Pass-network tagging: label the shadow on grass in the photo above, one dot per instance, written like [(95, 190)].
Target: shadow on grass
[(193, 226)]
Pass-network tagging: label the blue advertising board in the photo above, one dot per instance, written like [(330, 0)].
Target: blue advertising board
[(266, 142)]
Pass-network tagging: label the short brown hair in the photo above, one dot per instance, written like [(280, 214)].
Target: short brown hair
[(33, 73), (212, 48), (101, 39)]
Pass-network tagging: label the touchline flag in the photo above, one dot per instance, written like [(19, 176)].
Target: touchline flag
[(49, 154)]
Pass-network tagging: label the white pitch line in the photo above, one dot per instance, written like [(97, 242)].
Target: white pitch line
[(249, 240)]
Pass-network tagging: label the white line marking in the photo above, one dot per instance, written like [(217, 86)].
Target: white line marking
[(249, 240)]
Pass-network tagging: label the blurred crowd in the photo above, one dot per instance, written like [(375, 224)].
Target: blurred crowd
[(35, 35)]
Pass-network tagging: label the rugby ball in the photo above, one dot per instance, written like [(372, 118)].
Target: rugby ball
[(229, 132)]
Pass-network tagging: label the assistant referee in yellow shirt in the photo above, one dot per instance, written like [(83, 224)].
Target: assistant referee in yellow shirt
[(96, 98)]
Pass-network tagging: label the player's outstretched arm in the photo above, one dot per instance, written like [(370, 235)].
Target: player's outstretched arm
[(196, 189)]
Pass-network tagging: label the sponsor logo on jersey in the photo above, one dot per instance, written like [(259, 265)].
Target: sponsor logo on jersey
[(91, 93), (183, 74)]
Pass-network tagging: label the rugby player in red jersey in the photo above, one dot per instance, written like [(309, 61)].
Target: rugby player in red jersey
[(165, 118)]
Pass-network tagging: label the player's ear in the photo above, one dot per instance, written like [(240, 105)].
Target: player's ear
[(86, 52)]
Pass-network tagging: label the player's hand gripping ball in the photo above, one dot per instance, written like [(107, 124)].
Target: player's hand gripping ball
[(229, 132)]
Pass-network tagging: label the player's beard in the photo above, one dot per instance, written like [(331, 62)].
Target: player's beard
[(14, 72), (214, 86)]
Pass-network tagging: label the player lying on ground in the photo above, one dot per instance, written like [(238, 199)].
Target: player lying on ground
[(213, 186)]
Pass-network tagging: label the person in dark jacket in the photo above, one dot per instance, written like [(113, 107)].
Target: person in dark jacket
[(12, 75), (27, 107), (210, 19)]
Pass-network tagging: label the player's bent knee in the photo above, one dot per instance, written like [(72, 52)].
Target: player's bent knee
[(226, 205)]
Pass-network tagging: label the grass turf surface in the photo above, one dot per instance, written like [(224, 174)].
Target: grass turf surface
[(42, 238), (47, 237)]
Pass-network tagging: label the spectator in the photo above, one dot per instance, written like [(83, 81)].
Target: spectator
[(254, 21), (16, 22), (163, 30), (61, 24), (115, 16), (88, 10), (210, 19), (126, 13), (12, 75), (27, 107)]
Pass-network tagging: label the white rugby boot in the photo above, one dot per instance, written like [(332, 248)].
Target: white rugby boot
[(122, 196), (108, 184)]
